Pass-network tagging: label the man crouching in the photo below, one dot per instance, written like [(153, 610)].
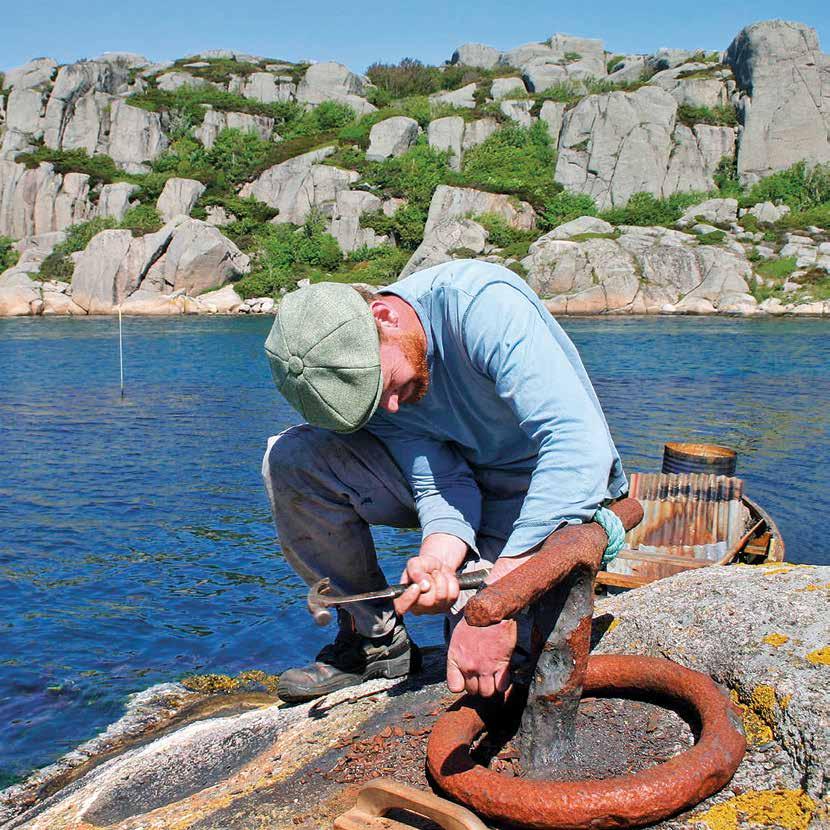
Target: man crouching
[(451, 400)]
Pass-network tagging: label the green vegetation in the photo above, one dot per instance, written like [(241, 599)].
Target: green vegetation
[(711, 238), (814, 285), (645, 209), (8, 254), (101, 169), (514, 243), (612, 62), (564, 207), (720, 116), (190, 103), (799, 187), (141, 219), (516, 160), (406, 226), (584, 237), (58, 265), (776, 269), (284, 254), (572, 57)]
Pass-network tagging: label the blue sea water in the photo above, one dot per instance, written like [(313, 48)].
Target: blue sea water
[(135, 540)]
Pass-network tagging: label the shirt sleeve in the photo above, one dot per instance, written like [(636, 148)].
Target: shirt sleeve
[(534, 377), (446, 495)]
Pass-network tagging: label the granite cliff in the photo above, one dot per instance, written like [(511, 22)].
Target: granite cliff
[(682, 181)]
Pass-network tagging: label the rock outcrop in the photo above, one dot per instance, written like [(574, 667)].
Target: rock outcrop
[(296, 186), (38, 201), (330, 81), (392, 137), (643, 271), (349, 206), (455, 134), (247, 761), (178, 197), (215, 121), (784, 80)]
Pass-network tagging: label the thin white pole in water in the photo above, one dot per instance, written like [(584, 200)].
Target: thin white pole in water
[(121, 352)]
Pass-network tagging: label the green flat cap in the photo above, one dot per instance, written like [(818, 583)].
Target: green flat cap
[(324, 353)]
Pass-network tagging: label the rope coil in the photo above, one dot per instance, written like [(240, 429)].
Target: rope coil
[(613, 527)]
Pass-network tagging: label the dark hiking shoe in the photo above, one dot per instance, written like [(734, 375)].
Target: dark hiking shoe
[(349, 660)]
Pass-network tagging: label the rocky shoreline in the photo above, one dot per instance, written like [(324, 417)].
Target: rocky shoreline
[(206, 761)]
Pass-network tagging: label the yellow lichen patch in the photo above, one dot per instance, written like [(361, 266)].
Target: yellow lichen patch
[(813, 587), (212, 684), (756, 731), (784, 569), (820, 657), (776, 639), (764, 703), (784, 701), (614, 623), (790, 809)]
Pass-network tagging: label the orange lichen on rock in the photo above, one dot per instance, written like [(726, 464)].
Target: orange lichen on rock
[(790, 809), (776, 640)]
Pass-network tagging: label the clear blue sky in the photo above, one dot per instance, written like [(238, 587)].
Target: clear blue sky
[(359, 32)]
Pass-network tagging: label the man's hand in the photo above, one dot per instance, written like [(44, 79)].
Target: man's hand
[(478, 659), (431, 576)]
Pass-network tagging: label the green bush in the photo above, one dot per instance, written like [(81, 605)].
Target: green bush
[(567, 92), (776, 269), (375, 266), (572, 57), (238, 154), (406, 226), (798, 186), (409, 77), (329, 115), (414, 175), (8, 254), (500, 234), (726, 177), (101, 169), (286, 254), (58, 265), (721, 116), (711, 238), (565, 206), (141, 219), (818, 216), (645, 209), (515, 160), (251, 216)]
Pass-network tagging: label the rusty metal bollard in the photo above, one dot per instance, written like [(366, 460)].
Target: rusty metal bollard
[(557, 584)]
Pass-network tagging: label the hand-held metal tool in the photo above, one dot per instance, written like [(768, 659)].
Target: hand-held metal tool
[(320, 600)]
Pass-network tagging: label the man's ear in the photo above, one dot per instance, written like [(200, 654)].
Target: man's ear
[(385, 315)]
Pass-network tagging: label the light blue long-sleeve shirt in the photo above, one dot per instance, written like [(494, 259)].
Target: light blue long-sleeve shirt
[(510, 410)]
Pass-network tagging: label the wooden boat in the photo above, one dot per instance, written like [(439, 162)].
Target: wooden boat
[(691, 520)]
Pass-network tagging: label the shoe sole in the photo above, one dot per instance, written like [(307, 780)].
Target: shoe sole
[(400, 666)]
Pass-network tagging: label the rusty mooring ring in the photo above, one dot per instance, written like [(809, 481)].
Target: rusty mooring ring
[(625, 801)]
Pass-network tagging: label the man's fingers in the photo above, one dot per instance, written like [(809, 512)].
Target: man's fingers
[(486, 686), (471, 684), (407, 599), (502, 679), (455, 680)]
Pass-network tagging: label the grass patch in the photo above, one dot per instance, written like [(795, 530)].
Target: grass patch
[(584, 237), (711, 238), (776, 269), (502, 235), (612, 62), (645, 209), (142, 219), (720, 116)]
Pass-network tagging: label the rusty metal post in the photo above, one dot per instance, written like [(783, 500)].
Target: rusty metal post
[(560, 638)]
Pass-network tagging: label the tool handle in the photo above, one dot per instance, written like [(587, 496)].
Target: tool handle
[(467, 581)]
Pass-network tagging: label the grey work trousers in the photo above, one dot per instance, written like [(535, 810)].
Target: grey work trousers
[(327, 488)]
